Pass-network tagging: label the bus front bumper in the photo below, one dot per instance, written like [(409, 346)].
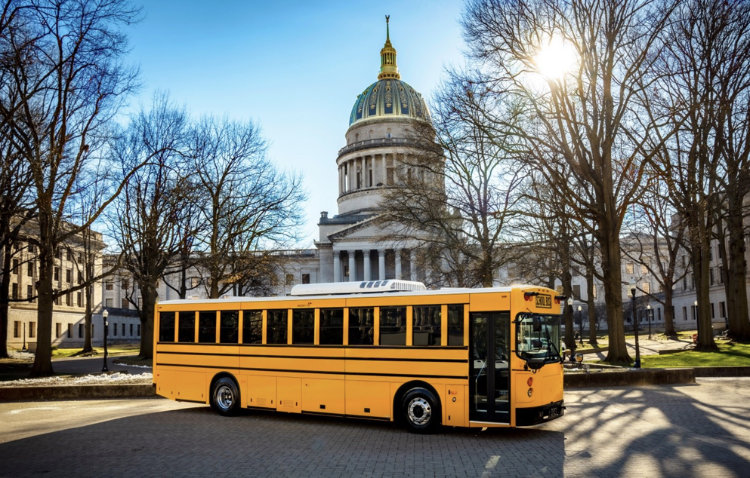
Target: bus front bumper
[(536, 415)]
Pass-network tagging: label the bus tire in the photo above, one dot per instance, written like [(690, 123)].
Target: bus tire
[(225, 396), (420, 410)]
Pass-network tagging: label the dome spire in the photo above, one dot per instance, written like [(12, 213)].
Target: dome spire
[(388, 68)]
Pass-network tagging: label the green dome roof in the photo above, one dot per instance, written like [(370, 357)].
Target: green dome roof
[(389, 98)]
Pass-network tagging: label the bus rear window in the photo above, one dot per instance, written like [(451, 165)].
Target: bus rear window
[(303, 326), (331, 326), (277, 329), (186, 331), (393, 326), (166, 327)]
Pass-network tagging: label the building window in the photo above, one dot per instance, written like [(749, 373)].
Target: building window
[(56, 274), (15, 266), (289, 279), (644, 269), (14, 291), (123, 330), (139, 330), (577, 291), (79, 299), (80, 331), (712, 310), (684, 313), (114, 330), (131, 330), (629, 268), (30, 269), (125, 284), (30, 293), (68, 255), (108, 285), (646, 288), (722, 309), (16, 329), (68, 299), (108, 303), (305, 278), (70, 331), (32, 329), (711, 275), (124, 303), (58, 329), (69, 276)]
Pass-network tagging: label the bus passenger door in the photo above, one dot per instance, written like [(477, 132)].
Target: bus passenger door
[(489, 362)]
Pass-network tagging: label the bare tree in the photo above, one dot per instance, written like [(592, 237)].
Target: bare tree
[(147, 215), (70, 82), (586, 115), (458, 196), (248, 206)]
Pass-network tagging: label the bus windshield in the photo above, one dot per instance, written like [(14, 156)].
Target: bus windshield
[(538, 339)]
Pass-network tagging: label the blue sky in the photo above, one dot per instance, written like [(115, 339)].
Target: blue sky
[(293, 67)]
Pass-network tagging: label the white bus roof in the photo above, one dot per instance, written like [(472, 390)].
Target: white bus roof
[(363, 287), (343, 285)]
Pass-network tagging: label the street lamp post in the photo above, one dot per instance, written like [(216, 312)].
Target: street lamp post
[(637, 363), (105, 314), (580, 326), (24, 337), (648, 317), (573, 347)]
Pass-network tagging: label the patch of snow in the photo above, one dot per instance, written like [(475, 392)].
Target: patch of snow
[(19, 354), (91, 379)]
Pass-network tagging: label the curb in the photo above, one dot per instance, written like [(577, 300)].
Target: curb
[(631, 377), (75, 392)]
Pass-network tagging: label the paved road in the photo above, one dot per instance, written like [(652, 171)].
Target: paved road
[(686, 430)]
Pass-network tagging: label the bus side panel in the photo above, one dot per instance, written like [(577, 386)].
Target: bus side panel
[(455, 405), (289, 392), (368, 399), (181, 385), (261, 391), (323, 396)]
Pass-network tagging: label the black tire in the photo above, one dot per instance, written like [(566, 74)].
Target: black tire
[(420, 410), (225, 396)]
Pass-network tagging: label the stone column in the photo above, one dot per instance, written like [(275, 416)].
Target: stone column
[(398, 263), (367, 265), (384, 170), (413, 265), (381, 264), (352, 267), (336, 266)]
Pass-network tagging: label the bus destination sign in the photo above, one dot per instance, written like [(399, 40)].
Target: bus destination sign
[(544, 301)]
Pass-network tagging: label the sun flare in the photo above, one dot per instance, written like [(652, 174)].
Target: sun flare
[(555, 59)]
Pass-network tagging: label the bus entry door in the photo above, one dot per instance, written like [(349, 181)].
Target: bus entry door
[(489, 362)]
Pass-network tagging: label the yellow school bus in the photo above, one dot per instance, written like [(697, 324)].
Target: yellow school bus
[(388, 350)]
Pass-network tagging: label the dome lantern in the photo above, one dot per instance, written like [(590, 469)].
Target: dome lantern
[(388, 67)]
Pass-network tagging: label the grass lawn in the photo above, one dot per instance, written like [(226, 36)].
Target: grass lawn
[(730, 354), (112, 350)]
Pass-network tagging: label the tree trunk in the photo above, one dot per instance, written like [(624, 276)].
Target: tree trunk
[(700, 251), (610, 244), (591, 306), (736, 284), (669, 330), (45, 302), (149, 295), (4, 303)]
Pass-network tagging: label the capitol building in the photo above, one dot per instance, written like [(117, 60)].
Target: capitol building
[(382, 125)]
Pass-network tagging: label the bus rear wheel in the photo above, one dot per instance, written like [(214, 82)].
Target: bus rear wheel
[(420, 410), (225, 396)]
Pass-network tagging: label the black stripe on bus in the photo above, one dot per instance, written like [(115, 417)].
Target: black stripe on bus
[(323, 372), (377, 359), (356, 347)]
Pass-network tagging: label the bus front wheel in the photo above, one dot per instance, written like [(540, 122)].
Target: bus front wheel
[(225, 396), (420, 410)]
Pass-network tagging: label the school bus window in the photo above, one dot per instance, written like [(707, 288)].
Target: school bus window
[(252, 327), (331, 326), (166, 327), (229, 326), (361, 325), (277, 329), (393, 326), (456, 325), (207, 326), (426, 325), (186, 332), (303, 326)]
